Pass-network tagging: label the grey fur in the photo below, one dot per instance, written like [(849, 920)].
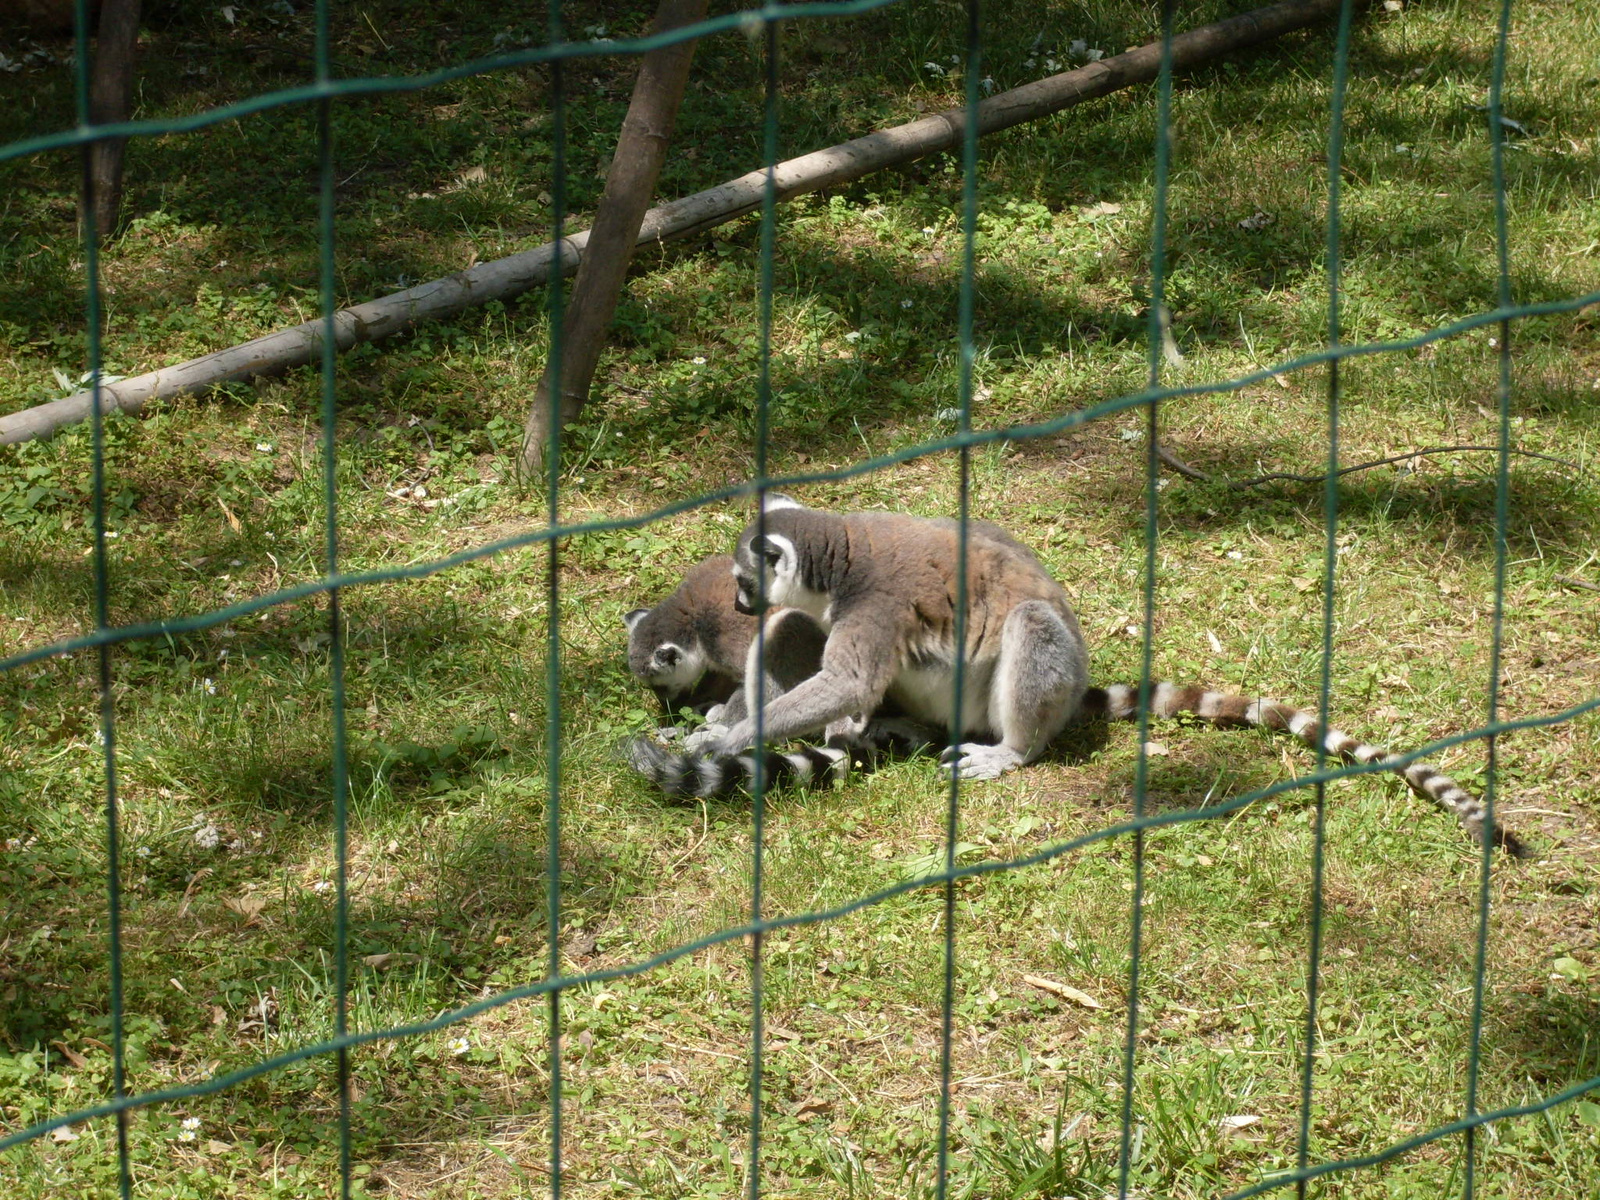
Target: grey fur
[(694, 650), (690, 649), (884, 588)]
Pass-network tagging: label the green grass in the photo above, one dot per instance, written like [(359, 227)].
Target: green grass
[(226, 732)]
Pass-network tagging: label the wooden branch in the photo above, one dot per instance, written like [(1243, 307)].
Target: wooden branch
[(110, 101), (508, 277), (630, 184)]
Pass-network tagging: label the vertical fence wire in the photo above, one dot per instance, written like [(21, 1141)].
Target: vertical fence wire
[(758, 782), (1158, 335), (1330, 565), (952, 822), (340, 772), (1156, 332), (94, 317), (1502, 503), (556, 394)]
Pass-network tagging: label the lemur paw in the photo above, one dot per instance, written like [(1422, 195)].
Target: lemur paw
[(973, 760), (705, 739)]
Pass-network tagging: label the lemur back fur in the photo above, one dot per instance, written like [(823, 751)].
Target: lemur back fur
[(883, 588)]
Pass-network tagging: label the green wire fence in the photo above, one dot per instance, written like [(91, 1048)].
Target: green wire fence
[(324, 92)]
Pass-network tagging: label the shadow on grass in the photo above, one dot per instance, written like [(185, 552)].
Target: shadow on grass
[(1551, 1033)]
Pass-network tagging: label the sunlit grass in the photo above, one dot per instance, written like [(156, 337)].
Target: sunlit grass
[(224, 735)]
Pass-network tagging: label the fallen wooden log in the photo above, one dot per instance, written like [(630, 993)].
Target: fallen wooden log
[(512, 276)]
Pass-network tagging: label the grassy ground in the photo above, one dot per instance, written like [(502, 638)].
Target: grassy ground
[(224, 735)]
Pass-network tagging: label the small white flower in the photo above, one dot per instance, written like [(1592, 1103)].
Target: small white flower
[(210, 687), (208, 837), (321, 885), (928, 229), (699, 360), (237, 562), (111, 533), (1494, 343), (186, 1136), (579, 480), (264, 447), (906, 303), (191, 1122), (855, 336), (223, 653), (143, 851), (1235, 554), (459, 1046)]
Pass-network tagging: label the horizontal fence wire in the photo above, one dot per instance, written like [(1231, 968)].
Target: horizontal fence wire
[(323, 93), (745, 21), (977, 437)]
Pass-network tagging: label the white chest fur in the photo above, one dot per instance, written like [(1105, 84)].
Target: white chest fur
[(927, 694)]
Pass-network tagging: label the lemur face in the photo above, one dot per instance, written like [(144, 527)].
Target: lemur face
[(765, 568), (669, 668)]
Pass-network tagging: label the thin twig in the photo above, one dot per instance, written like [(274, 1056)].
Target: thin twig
[(1578, 583), (1178, 465), (1367, 466)]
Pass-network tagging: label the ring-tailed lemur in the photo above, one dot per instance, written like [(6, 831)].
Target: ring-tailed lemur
[(690, 649), (695, 650), (883, 587)]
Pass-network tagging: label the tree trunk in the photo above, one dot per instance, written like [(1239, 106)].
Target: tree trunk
[(110, 100), (630, 185)]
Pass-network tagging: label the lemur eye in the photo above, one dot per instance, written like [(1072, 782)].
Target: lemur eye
[(773, 557)]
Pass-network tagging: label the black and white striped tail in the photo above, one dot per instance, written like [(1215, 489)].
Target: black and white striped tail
[(1121, 702), (680, 774)]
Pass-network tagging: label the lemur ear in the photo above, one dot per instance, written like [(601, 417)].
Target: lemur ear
[(773, 502), (633, 618)]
